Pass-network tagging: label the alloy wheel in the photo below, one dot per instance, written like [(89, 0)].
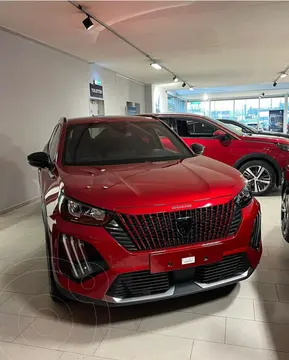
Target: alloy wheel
[(258, 178), (284, 214)]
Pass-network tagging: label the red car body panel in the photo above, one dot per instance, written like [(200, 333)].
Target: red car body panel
[(239, 146), (143, 188)]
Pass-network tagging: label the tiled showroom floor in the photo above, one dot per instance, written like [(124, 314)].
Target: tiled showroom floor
[(250, 321)]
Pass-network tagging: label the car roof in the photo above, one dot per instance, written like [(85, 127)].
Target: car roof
[(231, 121), (172, 115), (99, 119), (226, 120), (181, 116)]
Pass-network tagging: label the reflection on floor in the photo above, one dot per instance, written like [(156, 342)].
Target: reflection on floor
[(245, 322)]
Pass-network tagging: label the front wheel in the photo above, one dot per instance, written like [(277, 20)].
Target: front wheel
[(285, 216), (260, 176)]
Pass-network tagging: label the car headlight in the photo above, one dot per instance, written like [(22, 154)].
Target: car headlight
[(283, 147), (244, 197), (80, 213)]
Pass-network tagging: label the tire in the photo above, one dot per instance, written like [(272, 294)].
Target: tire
[(55, 294), (260, 176), (285, 215)]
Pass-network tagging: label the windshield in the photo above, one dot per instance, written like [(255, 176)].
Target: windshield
[(121, 142), (236, 128)]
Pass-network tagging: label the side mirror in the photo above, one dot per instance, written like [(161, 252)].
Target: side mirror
[(39, 160), (220, 134), (198, 149)]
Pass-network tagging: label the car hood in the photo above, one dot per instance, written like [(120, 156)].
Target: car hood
[(266, 138), (150, 184)]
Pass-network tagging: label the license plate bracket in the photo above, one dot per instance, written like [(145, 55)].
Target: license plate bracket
[(175, 259)]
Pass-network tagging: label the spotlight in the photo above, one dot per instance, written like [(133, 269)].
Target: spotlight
[(156, 66), (184, 84), (262, 94), (206, 97), (88, 23), (274, 83), (191, 88), (176, 79), (283, 75)]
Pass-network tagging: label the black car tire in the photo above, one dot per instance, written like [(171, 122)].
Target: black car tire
[(54, 291), (268, 174), (285, 214)]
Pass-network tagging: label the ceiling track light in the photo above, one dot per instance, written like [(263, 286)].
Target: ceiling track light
[(274, 83), (156, 66), (191, 88), (283, 75), (88, 24)]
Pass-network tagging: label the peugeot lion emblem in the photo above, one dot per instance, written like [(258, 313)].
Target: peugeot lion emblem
[(184, 225)]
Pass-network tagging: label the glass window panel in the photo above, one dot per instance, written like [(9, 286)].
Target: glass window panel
[(222, 109), (278, 103), (240, 109), (198, 107), (171, 104)]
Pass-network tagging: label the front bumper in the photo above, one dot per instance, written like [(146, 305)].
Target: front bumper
[(120, 261)]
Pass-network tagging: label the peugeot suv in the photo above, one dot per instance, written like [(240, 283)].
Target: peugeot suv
[(261, 159), (132, 214)]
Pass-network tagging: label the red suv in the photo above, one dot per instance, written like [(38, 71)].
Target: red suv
[(261, 159), (131, 214)]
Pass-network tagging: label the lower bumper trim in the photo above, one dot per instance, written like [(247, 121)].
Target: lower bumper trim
[(178, 290)]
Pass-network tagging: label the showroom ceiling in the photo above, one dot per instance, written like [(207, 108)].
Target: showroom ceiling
[(205, 43)]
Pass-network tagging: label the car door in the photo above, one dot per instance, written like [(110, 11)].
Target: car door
[(197, 130)]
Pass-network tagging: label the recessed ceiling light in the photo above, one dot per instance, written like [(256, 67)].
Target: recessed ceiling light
[(156, 66), (88, 23)]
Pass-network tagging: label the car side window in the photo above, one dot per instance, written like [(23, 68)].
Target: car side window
[(53, 143), (171, 122), (195, 128), (202, 129)]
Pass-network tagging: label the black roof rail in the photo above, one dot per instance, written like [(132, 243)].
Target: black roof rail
[(63, 119), (152, 116)]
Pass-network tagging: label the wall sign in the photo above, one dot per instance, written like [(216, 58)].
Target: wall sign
[(96, 91), (131, 110), (276, 118)]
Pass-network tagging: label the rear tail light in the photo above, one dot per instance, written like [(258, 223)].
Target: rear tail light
[(256, 233), (78, 259)]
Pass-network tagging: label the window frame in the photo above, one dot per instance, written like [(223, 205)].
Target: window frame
[(55, 134)]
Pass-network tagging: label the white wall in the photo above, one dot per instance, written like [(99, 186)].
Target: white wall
[(117, 90), (160, 99), (38, 85)]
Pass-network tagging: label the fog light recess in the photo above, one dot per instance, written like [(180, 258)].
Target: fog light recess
[(79, 260)]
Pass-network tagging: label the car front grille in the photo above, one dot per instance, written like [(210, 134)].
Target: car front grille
[(143, 283), (172, 229)]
